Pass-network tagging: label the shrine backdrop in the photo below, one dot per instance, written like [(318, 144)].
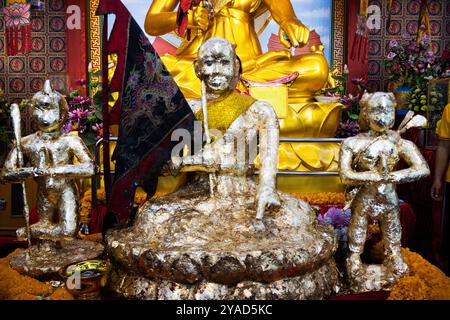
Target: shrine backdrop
[(56, 51), (24, 74), (405, 16)]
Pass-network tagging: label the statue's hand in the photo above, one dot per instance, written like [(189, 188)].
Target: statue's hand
[(24, 173), (210, 156), (293, 33), (267, 198), (41, 172), (198, 18), (206, 160)]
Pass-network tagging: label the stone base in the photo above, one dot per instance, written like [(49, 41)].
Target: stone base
[(312, 285), (372, 277), (189, 245), (44, 261)]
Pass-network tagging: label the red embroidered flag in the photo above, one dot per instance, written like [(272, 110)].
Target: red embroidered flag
[(150, 106), (359, 46)]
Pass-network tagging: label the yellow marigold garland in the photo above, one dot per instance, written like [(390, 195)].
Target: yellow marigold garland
[(323, 198), (14, 286), (410, 288), (425, 281)]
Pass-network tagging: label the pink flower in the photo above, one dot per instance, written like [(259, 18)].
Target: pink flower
[(98, 127), (78, 114)]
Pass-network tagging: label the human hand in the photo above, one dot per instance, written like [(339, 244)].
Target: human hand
[(436, 190), (293, 33), (267, 198), (198, 18)]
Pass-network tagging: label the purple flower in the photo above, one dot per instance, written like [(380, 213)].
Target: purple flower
[(413, 47), (393, 43), (391, 55), (336, 217), (406, 36), (349, 100), (78, 114), (67, 127), (347, 129), (80, 100), (426, 38)]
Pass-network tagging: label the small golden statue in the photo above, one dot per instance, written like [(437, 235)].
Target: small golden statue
[(49, 157), (225, 235), (368, 161)]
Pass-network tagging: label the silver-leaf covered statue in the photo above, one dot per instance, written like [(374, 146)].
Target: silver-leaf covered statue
[(48, 155), (368, 161), (227, 234)]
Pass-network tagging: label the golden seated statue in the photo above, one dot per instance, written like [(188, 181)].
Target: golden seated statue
[(234, 20)]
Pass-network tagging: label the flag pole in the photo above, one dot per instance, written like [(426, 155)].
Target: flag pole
[(212, 180), (105, 109), (15, 117)]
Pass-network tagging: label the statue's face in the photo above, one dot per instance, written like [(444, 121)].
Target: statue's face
[(47, 116), (216, 66), (381, 116)]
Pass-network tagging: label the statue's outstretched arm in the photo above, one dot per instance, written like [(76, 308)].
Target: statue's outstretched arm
[(268, 128), (11, 172), (161, 18), (281, 10), (418, 167), (283, 14), (85, 166)]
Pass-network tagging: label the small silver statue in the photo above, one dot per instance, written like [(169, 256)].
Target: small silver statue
[(48, 156), (368, 161)]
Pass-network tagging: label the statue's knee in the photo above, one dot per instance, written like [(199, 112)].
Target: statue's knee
[(320, 65)]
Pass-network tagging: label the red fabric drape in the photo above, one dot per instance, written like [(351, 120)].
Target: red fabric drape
[(357, 67), (76, 53)]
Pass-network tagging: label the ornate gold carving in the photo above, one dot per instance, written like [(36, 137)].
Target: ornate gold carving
[(338, 39), (95, 50)]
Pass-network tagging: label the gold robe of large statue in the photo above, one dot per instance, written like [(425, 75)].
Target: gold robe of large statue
[(234, 20)]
